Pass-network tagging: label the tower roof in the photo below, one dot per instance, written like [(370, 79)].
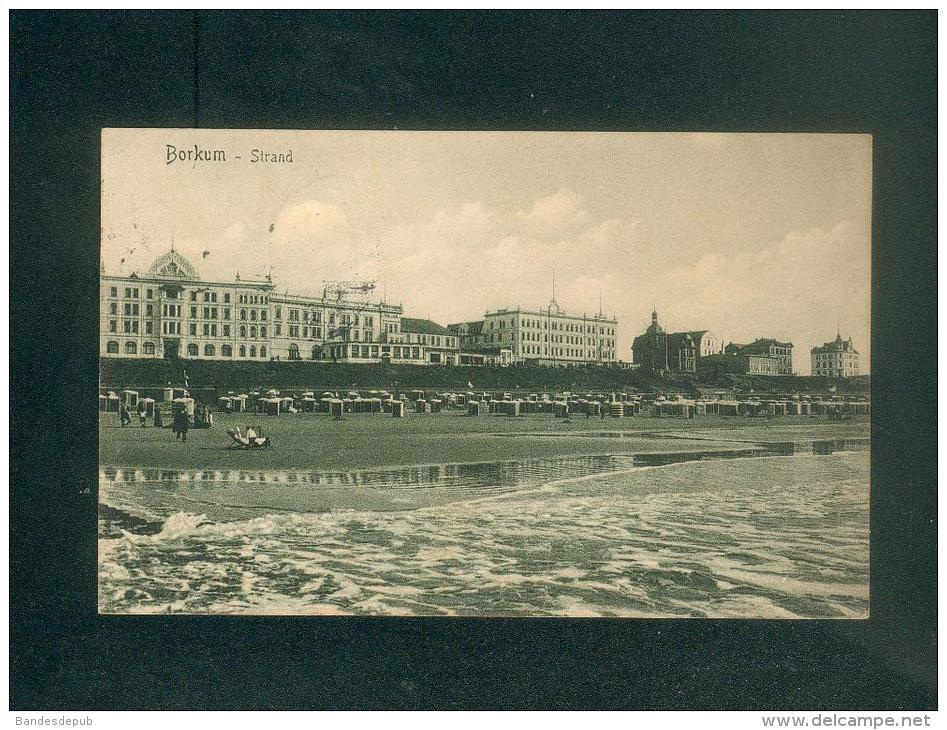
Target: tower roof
[(172, 265)]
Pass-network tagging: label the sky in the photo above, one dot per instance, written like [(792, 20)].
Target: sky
[(756, 235)]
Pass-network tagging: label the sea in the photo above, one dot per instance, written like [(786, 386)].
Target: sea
[(746, 533)]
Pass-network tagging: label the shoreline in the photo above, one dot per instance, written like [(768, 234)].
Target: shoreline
[(362, 441)]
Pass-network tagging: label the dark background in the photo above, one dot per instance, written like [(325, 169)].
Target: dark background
[(73, 73)]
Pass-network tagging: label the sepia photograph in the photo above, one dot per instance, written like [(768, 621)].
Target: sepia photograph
[(486, 374)]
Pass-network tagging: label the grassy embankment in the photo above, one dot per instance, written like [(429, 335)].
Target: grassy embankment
[(209, 378)]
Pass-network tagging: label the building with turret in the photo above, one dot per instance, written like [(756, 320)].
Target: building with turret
[(657, 351), (837, 359)]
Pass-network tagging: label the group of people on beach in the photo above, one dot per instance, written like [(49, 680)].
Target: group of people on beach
[(126, 417), (179, 419)]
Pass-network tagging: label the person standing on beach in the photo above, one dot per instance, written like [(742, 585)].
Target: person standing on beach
[(124, 415), (158, 422), (180, 425)]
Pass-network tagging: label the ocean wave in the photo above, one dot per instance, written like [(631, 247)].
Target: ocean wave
[(762, 537)]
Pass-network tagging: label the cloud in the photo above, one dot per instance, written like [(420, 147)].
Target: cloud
[(798, 288), (553, 214), (311, 219)]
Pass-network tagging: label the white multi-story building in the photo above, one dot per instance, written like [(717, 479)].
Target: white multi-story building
[(838, 359), (546, 336), (169, 311)]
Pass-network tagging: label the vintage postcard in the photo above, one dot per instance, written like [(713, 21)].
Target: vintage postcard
[(484, 373)]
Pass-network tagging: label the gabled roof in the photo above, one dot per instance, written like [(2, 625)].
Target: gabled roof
[(762, 345), (473, 328), (422, 327), (837, 345), (172, 265)]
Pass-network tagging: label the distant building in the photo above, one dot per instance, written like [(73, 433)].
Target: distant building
[(761, 357), (706, 342), (487, 356), (547, 336), (838, 359), (469, 334), (738, 363), (657, 351)]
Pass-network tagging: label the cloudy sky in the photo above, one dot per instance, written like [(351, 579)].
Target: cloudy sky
[(746, 235)]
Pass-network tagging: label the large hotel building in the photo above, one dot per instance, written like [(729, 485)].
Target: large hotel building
[(170, 312), (546, 336)]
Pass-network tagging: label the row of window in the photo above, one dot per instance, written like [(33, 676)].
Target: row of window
[(553, 325), (344, 319), (148, 348), (207, 295)]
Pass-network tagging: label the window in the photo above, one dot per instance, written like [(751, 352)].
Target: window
[(149, 347), (226, 312), (262, 331), (226, 351), (194, 312), (113, 325), (252, 350), (113, 308), (253, 315), (263, 315), (113, 292), (226, 330), (111, 347), (193, 296), (279, 313), (315, 352), (192, 329), (253, 331), (294, 351), (243, 330), (149, 325), (227, 299), (278, 330), (243, 350), (262, 350), (192, 350), (209, 351), (243, 314), (131, 348)]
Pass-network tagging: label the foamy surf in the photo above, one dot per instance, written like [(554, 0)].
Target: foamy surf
[(740, 538)]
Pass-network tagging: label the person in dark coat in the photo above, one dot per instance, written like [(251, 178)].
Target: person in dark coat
[(159, 423), (180, 425), (124, 416)]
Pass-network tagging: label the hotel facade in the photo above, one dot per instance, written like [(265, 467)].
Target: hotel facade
[(170, 312), (547, 336)]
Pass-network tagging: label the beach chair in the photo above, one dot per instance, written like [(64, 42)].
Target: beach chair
[(253, 438)]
